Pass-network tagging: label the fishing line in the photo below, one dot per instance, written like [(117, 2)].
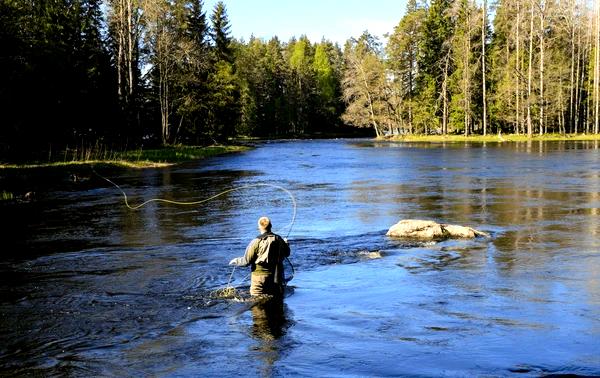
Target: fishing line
[(199, 202)]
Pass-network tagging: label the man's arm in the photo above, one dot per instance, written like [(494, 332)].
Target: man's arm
[(249, 255)]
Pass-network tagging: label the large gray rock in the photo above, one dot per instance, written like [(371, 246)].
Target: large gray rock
[(429, 230)]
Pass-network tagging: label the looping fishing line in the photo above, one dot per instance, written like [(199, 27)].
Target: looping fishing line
[(193, 203)]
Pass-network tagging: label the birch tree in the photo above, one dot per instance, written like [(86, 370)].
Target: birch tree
[(596, 88), (364, 84)]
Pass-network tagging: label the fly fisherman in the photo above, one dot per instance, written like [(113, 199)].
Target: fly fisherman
[(265, 254)]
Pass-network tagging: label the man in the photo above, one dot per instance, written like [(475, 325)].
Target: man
[(265, 254)]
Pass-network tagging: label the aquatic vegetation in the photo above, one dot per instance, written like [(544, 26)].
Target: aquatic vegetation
[(228, 292)]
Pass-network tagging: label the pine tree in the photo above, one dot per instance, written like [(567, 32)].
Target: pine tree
[(192, 70), (220, 33), (463, 80), (403, 51), (224, 92), (435, 65)]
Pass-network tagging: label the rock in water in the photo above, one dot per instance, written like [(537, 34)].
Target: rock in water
[(429, 230)]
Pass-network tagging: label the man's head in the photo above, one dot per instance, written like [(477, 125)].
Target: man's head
[(264, 224)]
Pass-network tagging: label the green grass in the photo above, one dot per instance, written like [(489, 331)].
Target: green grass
[(6, 196), (140, 158), (178, 154), (493, 138)]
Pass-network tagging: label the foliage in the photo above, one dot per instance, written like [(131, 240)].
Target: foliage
[(131, 73), (364, 84), (402, 52), (138, 158)]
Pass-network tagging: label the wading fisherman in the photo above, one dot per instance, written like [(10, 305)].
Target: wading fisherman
[(265, 255)]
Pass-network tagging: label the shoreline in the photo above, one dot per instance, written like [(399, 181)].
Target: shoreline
[(494, 138), (137, 159), (22, 183)]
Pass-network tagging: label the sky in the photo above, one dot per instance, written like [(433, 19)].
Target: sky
[(335, 20)]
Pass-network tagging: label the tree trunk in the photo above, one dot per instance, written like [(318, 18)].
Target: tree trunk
[(597, 70), (410, 90), (120, 44), (445, 97), (518, 72), (483, 28), (541, 37), (572, 73), (130, 46), (529, 124), (577, 83), (466, 74)]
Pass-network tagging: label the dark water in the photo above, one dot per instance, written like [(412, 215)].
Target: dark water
[(90, 288)]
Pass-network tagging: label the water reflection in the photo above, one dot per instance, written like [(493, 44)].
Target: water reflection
[(91, 288), (270, 321)]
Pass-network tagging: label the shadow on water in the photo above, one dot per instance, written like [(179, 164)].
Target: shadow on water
[(90, 288), (270, 321)]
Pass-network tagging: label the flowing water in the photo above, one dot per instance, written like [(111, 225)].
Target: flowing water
[(91, 288)]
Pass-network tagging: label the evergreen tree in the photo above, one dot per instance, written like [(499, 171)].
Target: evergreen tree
[(220, 33), (435, 66), (402, 51), (54, 61), (192, 73), (463, 80), (223, 91), (223, 98)]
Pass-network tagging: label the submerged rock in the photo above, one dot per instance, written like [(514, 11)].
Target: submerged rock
[(430, 230)]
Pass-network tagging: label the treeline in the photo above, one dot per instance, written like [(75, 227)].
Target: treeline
[(447, 68), (125, 73)]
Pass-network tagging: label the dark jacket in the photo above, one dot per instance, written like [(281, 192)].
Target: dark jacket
[(265, 254)]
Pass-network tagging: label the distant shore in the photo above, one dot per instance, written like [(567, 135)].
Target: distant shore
[(492, 138)]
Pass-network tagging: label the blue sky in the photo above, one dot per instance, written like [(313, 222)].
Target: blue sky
[(333, 19)]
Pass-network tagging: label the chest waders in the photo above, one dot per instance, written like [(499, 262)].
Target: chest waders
[(272, 255)]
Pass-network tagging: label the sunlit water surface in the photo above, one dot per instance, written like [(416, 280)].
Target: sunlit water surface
[(91, 288)]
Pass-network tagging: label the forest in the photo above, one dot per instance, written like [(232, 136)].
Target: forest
[(131, 73)]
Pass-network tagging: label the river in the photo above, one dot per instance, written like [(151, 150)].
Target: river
[(91, 288)]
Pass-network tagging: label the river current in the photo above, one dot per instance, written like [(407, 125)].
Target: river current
[(91, 288)]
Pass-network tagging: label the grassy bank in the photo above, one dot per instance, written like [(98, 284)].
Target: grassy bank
[(141, 158), (492, 138), (25, 182)]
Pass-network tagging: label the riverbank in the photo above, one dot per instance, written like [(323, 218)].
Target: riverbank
[(150, 158), (492, 138), (24, 181)]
